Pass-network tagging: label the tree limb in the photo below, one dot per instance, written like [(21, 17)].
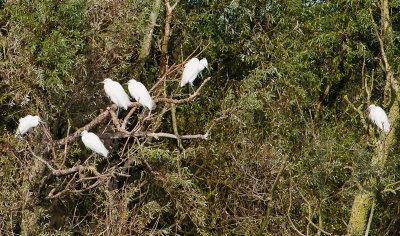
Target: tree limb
[(119, 135), (178, 101)]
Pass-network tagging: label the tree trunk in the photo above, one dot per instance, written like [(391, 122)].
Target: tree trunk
[(145, 50), (363, 199)]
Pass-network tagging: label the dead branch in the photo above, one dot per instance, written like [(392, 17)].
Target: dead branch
[(178, 101), (170, 70), (42, 160), (119, 135), (91, 124), (123, 126), (153, 172), (116, 121), (51, 194), (390, 81), (85, 189), (380, 40), (66, 145)]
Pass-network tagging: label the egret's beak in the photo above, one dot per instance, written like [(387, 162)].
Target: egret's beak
[(208, 69), (102, 82), (366, 110), (125, 84)]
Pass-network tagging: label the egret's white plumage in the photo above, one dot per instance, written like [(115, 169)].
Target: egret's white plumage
[(139, 92), (116, 93), (378, 116), (93, 142), (27, 123), (192, 68)]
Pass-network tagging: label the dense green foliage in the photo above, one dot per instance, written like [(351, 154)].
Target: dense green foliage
[(279, 73)]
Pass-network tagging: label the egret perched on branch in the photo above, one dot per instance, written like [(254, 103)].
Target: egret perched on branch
[(378, 116), (93, 142), (116, 93), (192, 68), (140, 94), (27, 123)]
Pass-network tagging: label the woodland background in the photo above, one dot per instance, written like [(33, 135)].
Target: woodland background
[(288, 151)]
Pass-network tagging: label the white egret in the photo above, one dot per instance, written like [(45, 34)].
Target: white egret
[(192, 68), (93, 142), (378, 116), (139, 92), (27, 123), (116, 93)]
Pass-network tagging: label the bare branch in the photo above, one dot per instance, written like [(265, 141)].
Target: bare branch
[(66, 145), (91, 124), (42, 160), (178, 101), (155, 173), (387, 67), (51, 194), (123, 126), (119, 135), (116, 121), (390, 81)]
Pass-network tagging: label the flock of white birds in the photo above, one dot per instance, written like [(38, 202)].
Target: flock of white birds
[(138, 91), (117, 95)]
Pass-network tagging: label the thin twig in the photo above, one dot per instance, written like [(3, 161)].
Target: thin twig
[(65, 149)]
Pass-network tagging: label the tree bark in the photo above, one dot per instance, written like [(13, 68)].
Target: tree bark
[(145, 49)]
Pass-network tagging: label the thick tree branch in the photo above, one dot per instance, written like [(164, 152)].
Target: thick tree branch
[(91, 124)]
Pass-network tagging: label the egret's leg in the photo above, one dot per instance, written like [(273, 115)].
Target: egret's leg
[(190, 88), (117, 111), (95, 157), (144, 108)]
